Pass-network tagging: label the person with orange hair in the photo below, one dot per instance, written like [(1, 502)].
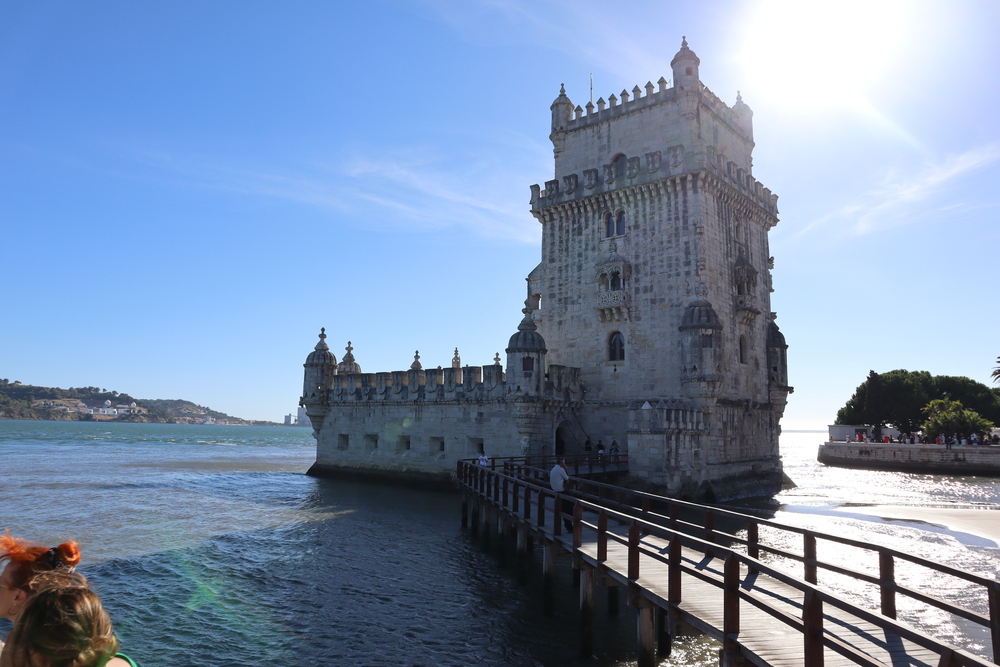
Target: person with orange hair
[(63, 624), (23, 560), (58, 621)]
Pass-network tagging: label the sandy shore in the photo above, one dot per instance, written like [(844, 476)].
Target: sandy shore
[(984, 523)]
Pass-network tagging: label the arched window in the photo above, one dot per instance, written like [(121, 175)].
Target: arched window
[(616, 347), (616, 281), (609, 225), (620, 223), (743, 349)]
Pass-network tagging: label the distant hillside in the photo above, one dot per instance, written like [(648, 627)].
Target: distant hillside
[(25, 401)]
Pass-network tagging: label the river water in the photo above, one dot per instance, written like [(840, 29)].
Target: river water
[(211, 547)]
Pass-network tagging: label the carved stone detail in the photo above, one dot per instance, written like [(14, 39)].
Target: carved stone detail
[(590, 178), (653, 161), (675, 158), (551, 189), (609, 174), (632, 167), (570, 183)]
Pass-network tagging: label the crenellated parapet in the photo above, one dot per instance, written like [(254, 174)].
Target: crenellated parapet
[(326, 385)]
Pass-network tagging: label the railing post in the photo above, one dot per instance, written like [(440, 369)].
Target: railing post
[(527, 503), (577, 525), (812, 620), (731, 597), (506, 485), (809, 556), (731, 611), (674, 583), (994, 606), (602, 536), (710, 531), (753, 542), (557, 514), (541, 508), (633, 551), (887, 583)]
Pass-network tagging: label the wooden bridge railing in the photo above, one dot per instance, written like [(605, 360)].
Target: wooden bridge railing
[(522, 492), (642, 504)]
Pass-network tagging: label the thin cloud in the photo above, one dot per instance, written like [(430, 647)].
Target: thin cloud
[(903, 199), (587, 31), (390, 193)]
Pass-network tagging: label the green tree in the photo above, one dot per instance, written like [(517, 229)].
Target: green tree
[(948, 417), (898, 398)]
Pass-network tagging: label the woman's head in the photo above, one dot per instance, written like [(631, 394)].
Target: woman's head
[(21, 562), (62, 624)]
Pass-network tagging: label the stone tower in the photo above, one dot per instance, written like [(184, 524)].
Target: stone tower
[(655, 280), (647, 321)]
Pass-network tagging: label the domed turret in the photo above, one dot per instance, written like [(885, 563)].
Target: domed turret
[(562, 110), (744, 116), (348, 365), (320, 367), (321, 354), (526, 356), (700, 315), (527, 338), (685, 66)]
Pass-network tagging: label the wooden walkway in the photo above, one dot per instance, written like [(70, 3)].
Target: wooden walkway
[(681, 575)]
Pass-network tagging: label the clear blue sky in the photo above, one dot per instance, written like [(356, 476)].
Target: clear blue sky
[(190, 190)]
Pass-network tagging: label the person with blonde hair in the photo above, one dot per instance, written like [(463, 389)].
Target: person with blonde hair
[(58, 620)]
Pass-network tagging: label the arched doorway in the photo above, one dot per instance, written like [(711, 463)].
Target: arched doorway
[(564, 439)]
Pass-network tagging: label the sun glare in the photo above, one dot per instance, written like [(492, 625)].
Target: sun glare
[(805, 54)]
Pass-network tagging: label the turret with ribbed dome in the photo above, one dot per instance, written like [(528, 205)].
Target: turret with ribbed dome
[(526, 356), (685, 66), (349, 365), (320, 367)]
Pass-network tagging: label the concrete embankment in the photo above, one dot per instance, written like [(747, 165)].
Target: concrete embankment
[(931, 459)]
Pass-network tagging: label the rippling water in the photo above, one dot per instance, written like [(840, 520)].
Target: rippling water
[(211, 547)]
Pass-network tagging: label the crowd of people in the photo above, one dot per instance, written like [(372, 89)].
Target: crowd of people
[(955, 439), (58, 620)]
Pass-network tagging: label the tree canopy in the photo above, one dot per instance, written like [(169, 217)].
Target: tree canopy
[(898, 398), (948, 417)]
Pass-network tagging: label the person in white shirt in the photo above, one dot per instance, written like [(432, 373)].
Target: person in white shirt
[(558, 477), (484, 460)]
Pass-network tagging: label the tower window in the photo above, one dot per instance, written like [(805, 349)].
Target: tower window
[(609, 225), (688, 71), (616, 281), (743, 349), (527, 364), (616, 347), (620, 223), (706, 341)]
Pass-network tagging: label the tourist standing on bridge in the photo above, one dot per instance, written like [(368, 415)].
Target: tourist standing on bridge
[(484, 460), (558, 477)]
